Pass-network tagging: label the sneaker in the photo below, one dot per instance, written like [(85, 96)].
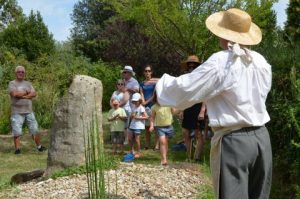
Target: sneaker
[(128, 157), (41, 148), (18, 151)]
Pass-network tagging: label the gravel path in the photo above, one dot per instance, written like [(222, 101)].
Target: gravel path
[(133, 181)]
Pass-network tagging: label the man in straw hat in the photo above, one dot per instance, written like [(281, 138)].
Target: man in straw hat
[(190, 63), (235, 83), (193, 117)]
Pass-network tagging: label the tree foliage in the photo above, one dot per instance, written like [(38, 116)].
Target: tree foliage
[(160, 32), (29, 35), (126, 44), (9, 12), (180, 24), (89, 18), (292, 25)]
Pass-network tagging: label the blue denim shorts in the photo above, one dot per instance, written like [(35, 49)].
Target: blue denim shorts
[(167, 131), (135, 131), (17, 121)]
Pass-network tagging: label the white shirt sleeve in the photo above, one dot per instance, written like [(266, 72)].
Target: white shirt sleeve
[(206, 81)]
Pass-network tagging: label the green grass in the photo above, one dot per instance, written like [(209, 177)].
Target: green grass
[(30, 159)]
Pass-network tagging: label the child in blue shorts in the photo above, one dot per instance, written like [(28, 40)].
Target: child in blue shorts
[(161, 120)]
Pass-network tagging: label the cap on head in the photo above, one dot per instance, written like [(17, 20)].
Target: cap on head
[(128, 69), (136, 97), (234, 25)]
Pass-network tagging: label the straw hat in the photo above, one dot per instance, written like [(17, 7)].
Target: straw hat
[(190, 59), (234, 25)]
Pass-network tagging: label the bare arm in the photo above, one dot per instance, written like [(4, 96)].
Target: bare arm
[(29, 95), (152, 121), (113, 118), (23, 94), (202, 112), (125, 99)]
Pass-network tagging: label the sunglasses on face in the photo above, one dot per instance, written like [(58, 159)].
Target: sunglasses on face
[(20, 72), (147, 71), (125, 72), (120, 84)]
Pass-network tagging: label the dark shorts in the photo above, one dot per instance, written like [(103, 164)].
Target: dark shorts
[(190, 117), (117, 137)]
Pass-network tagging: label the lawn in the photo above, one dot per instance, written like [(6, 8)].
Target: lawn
[(31, 159)]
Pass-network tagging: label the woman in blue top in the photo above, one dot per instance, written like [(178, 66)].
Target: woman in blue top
[(147, 89)]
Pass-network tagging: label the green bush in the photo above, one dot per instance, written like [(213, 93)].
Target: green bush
[(51, 76), (4, 112), (283, 105)]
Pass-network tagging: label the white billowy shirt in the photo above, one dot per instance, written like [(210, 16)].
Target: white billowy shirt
[(235, 90)]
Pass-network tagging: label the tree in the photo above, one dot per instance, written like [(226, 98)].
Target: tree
[(163, 32), (127, 45), (30, 35), (9, 12), (89, 18), (180, 24), (292, 25)]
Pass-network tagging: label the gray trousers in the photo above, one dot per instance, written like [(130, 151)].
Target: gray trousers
[(246, 164)]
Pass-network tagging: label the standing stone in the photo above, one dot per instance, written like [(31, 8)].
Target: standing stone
[(74, 114)]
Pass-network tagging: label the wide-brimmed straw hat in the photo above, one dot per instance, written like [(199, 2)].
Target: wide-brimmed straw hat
[(234, 25), (190, 59), (128, 69)]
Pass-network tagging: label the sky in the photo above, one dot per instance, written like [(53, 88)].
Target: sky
[(56, 14)]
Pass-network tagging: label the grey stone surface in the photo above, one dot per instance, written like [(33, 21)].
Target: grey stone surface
[(74, 114)]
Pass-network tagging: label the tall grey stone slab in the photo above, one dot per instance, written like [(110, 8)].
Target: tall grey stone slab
[(72, 117)]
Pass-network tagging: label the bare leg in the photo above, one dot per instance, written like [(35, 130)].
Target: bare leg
[(121, 147), (131, 142), (147, 137), (126, 136), (37, 139), (114, 147), (156, 142), (200, 145), (138, 143), (163, 141), (187, 141), (17, 142)]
